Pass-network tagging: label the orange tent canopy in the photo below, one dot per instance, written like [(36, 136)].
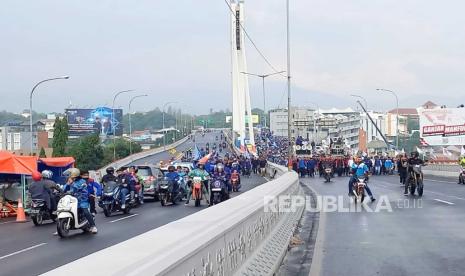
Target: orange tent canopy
[(57, 161), (204, 159), (10, 163)]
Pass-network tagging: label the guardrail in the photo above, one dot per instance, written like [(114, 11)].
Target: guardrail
[(236, 237), (140, 155)]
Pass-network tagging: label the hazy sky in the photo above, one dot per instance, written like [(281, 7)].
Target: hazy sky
[(179, 51)]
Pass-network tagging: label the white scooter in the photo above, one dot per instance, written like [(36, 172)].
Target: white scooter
[(68, 217)]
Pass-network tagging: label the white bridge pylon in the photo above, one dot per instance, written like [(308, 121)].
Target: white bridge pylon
[(242, 110)]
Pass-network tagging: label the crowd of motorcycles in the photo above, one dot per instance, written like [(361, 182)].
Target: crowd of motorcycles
[(212, 180)]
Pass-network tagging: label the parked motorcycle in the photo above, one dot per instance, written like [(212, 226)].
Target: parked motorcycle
[(68, 217), (462, 175), (359, 189), (416, 180), (110, 200)]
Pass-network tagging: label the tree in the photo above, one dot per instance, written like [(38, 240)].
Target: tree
[(122, 150), (88, 152), (60, 137), (42, 153)]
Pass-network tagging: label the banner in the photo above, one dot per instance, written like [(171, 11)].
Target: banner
[(99, 120), (442, 127)]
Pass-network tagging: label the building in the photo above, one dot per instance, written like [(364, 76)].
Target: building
[(316, 126), (405, 115), (303, 123), (278, 122), (49, 124), (17, 137), (348, 128)]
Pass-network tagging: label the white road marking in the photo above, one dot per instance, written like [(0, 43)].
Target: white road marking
[(7, 222), (116, 220), (442, 181), (22, 250), (443, 201)]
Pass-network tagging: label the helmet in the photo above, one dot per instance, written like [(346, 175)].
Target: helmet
[(110, 170), (220, 167), (46, 174), (36, 176), (72, 173), (414, 154)]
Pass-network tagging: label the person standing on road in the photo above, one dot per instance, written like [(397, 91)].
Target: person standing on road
[(402, 168)]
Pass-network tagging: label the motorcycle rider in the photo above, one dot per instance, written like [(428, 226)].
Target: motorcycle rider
[(52, 186), (94, 188), (39, 190), (203, 174), (173, 177), (126, 181), (359, 169), (221, 175), (138, 187), (78, 187), (412, 161), (110, 176)]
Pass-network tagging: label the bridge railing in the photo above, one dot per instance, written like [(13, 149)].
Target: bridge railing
[(237, 237)]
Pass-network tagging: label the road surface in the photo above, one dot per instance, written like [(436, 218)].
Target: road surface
[(29, 250), (419, 237)]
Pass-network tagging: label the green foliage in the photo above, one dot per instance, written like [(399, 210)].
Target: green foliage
[(150, 120), (42, 153), (88, 152), (122, 150), (60, 137)]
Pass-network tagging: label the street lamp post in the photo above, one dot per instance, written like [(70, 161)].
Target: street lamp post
[(164, 132), (263, 86), (112, 119), (366, 107), (290, 148), (130, 121), (397, 115), (30, 104)]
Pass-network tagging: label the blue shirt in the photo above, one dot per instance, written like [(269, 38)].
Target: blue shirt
[(360, 170), (79, 190)]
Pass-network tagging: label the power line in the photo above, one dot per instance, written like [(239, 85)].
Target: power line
[(251, 40)]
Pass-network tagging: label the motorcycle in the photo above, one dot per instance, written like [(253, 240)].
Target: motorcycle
[(110, 200), (462, 175), (219, 191), (235, 182), (168, 192), (358, 189), (68, 217), (416, 180), (197, 190), (328, 172), (40, 212)]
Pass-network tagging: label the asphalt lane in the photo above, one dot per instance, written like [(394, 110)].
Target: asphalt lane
[(29, 250), (420, 236)]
